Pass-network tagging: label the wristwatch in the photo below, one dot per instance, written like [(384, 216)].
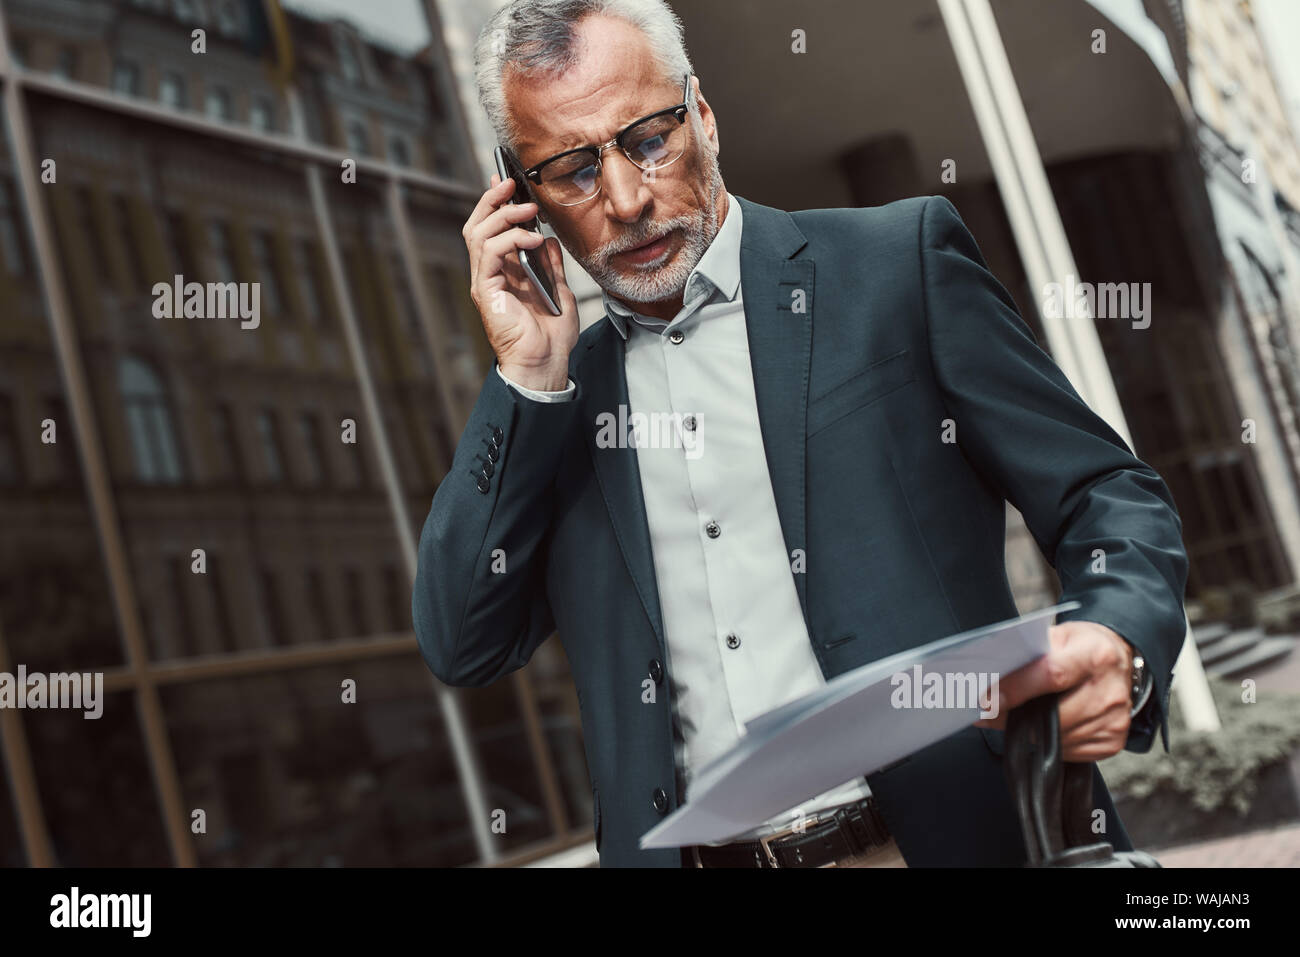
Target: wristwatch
[(1142, 682)]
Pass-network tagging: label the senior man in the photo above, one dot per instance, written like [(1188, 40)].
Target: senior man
[(810, 512)]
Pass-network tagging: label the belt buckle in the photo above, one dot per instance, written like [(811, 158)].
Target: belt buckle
[(766, 842)]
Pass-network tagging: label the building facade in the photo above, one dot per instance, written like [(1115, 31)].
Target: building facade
[(224, 522)]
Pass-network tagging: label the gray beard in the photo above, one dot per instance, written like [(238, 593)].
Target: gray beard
[(654, 281)]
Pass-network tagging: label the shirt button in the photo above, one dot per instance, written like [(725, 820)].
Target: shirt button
[(733, 641), (689, 423), (675, 337), (659, 800), (656, 671), (713, 529)]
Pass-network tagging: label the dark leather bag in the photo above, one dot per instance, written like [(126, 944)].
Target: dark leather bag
[(1054, 799)]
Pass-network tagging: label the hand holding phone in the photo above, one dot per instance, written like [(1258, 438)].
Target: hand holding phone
[(534, 266), (531, 328)]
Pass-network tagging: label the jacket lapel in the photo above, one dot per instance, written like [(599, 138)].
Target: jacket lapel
[(605, 391), (778, 295)]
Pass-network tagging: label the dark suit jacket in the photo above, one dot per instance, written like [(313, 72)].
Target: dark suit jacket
[(904, 327)]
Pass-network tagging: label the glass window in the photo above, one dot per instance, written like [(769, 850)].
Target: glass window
[(309, 279), (179, 575), (126, 78), (219, 586), (217, 103), (397, 600), (222, 252), (268, 433), (227, 13), (171, 91), (12, 247), (398, 151), (65, 67), (12, 853), (277, 626), (289, 777), (265, 262), (348, 63), (260, 114), (130, 245), (358, 142), (88, 220), (317, 464), (177, 238), (97, 787), (154, 449), (356, 601), (11, 460), (319, 606), (226, 442), (66, 469)]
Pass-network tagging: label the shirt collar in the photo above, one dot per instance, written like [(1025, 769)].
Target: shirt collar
[(719, 267)]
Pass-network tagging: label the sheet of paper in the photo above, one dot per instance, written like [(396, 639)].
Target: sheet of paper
[(852, 726)]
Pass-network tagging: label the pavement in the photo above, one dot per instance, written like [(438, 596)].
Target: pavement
[(1278, 847)]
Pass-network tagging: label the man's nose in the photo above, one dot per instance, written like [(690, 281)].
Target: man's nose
[(626, 193)]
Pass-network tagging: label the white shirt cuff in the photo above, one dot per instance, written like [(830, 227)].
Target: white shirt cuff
[(562, 396)]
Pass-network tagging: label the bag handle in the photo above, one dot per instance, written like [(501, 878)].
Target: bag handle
[(1053, 798)]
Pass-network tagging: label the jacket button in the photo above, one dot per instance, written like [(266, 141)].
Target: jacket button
[(656, 671), (488, 468), (483, 484), (497, 435), (494, 451), (659, 800)]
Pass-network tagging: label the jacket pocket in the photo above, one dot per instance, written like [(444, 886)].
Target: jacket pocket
[(876, 380)]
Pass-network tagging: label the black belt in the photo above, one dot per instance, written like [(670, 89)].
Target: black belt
[(851, 830)]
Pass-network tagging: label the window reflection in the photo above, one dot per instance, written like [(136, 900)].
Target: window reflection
[(154, 448)]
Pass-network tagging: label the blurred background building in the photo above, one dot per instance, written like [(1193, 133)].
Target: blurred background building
[(182, 434), (1170, 160)]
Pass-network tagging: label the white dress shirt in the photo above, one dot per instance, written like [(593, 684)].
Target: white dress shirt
[(737, 641)]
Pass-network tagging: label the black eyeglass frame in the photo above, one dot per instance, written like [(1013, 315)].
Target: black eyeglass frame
[(533, 173)]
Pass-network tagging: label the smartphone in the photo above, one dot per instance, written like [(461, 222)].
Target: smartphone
[(533, 260)]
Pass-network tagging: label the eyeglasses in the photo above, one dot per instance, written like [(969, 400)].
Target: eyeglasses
[(651, 143)]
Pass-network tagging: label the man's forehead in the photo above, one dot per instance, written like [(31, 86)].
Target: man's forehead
[(611, 85)]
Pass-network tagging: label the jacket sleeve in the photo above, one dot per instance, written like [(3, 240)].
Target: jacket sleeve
[(1079, 487), (479, 605)]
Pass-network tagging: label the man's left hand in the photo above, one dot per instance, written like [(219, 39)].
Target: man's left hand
[(1090, 666)]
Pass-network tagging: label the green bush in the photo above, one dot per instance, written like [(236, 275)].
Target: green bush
[(1218, 770)]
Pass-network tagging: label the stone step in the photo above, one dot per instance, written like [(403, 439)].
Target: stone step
[(1236, 642), (1209, 634), (1270, 649)]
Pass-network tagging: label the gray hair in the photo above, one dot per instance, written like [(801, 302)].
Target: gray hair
[(537, 37)]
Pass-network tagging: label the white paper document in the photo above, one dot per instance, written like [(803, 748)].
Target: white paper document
[(857, 723)]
